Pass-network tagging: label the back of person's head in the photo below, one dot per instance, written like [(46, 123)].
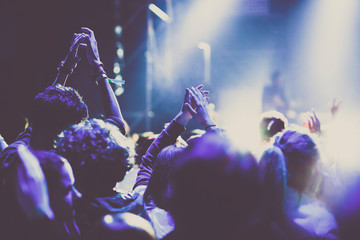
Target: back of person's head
[(99, 155), (213, 189), (271, 123), (159, 179), (273, 177), (60, 182), (142, 145), (301, 154), (273, 223), (122, 226), (56, 108)]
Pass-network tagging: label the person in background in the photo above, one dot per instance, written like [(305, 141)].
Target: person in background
[(274, 95)]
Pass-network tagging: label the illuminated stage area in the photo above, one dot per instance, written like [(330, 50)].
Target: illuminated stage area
[(275, 81)]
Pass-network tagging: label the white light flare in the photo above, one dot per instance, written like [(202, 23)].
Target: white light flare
[(108, 219), (327, 53), (200, 21), (118, 30), (116, 68), (204, 19), (239, 113), (160, 13), (341, 144)]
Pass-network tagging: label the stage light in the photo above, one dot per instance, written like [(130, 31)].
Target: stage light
[(108, 219), (120, 53), (116, 69), (200, 21), (204, 46), (203, 20), (207, 60), (118, 30), (119, 90), (160, 13)]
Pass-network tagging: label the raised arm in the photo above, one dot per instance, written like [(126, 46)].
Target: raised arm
[(111, 105), (312, 123), (167, 137), (31, 186), (67, 66)]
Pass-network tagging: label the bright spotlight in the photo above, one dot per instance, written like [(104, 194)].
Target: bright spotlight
[(119, 91), (120, 53), (200, 21), (160, 13), (203, 20), (116, 69), (118, 30), (204, 46), (108, 219)]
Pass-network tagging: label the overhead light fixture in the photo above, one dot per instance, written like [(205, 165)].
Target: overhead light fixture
[(160, 13)]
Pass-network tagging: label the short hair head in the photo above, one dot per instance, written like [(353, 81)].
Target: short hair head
[(98, 153), (271, 123), (158, 183), (56, 108), (60, 182), (213, 188)]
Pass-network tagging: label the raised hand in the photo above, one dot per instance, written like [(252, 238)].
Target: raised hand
[(334, 107), (184, 115), (71, 59), (312, 122), (198, 106), (92, 51), (68, 65)]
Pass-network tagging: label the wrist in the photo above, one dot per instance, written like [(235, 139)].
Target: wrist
[(183, 118), (98, 68), (101, 77), (207, 122)]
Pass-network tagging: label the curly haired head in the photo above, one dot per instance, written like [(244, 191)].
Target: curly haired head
[(56, 108), (98, 153)]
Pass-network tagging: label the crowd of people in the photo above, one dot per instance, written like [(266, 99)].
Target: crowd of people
[(58, 178)]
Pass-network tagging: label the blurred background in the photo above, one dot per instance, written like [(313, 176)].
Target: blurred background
[(160, 47)]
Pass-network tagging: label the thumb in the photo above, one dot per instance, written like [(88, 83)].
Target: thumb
[(190, 109)]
